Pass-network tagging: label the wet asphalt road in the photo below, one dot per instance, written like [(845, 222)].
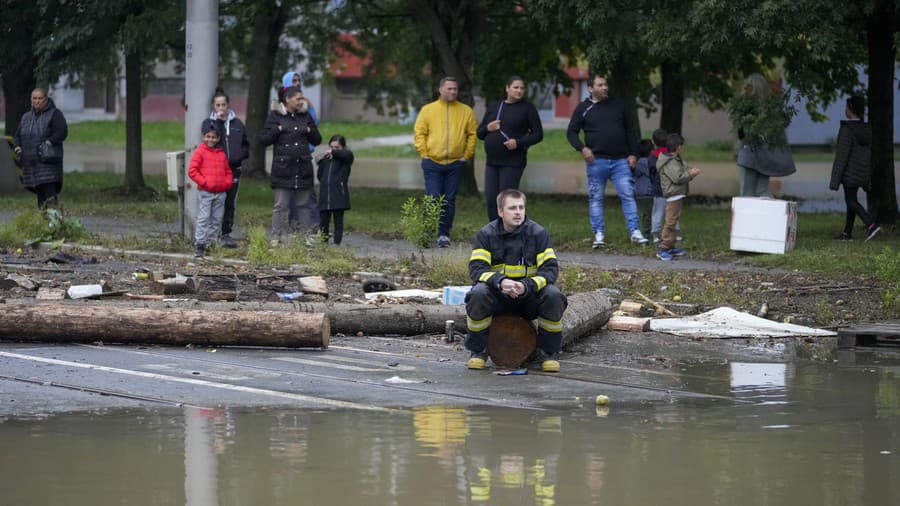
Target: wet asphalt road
[(354, 373)]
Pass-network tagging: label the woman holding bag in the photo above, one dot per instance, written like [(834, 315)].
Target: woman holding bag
[(38, 144)]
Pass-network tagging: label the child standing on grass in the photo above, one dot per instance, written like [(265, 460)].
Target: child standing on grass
[(646, 185), (674, 176), (334, 195), (210, 170)]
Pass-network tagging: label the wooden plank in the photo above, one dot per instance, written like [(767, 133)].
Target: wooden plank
[(869, 334), (628, 323)]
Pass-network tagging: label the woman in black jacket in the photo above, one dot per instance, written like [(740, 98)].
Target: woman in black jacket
[(38, 143), (334, 194), (291, 131), (237, 149), (508, 129), (851, 166)]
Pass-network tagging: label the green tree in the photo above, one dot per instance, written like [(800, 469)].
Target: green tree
[(265, 38), (480, 42), (88, 38)]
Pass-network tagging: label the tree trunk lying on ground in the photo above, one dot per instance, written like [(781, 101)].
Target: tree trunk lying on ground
[(80, 323), (296, 325), (587, 313)]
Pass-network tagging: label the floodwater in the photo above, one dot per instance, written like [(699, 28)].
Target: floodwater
[(787, 434), (809, 183)]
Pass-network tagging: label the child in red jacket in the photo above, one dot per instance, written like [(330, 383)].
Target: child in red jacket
[(210, 170)]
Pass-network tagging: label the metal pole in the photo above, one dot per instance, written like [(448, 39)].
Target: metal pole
[(201, 66)]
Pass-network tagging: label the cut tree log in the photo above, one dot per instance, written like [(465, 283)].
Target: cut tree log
[(170, 286), (511, 340), (86, 323), (631, 308)]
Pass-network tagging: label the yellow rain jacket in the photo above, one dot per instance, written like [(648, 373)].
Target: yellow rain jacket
[(445, 131)]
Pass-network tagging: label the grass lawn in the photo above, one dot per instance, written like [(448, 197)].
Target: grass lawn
[(169, 135), (377, 212)]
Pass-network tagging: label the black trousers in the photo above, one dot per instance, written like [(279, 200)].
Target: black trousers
[(325, 218), (548, 306), (46, 194), (854, 209), (230, 205), (496, 179)]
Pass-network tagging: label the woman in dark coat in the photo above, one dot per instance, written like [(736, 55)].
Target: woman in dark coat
[(38, 143), (334, 194), (290, 131), (508, 129), (851, 166)]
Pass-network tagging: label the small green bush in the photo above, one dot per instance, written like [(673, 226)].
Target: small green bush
[(33, 226), (419, 219)]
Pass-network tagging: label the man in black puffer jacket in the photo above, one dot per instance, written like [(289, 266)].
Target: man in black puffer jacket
[(291, 130), (43, 129)]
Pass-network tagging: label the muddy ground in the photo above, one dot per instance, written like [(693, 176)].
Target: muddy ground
[(806, 299)]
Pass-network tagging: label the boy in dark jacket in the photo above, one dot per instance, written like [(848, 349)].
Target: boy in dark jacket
[(851, 166), (210, 170), (334, 194), (646, 185), (291, 133)]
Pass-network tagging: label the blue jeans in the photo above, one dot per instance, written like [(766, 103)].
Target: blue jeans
[(599, 172), (443, 180)]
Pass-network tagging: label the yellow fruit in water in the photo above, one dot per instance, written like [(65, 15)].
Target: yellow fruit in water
[(602, 400)]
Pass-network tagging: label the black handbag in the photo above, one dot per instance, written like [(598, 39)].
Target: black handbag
[(49, 153)]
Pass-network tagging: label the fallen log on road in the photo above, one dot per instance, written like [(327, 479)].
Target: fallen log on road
[(587, 313), (86, 323)]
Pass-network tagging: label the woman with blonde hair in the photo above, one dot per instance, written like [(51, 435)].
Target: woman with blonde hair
[(760, 116)]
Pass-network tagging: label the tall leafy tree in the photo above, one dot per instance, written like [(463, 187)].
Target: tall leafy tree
[(821, 54), (89, 36), (480, 42), (266, 39)]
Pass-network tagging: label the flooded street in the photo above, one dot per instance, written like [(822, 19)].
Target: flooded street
[(810, 183), (775, 433)]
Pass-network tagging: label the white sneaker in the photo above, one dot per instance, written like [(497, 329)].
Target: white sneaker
[(655, 239), (598, 240), (638, 238)]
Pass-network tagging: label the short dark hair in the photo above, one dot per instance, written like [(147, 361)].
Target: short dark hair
[(509, 194), (659, 137), (594, 76), (645, 147), (673, 141), (446, 79), (290, 92), (857, 106)]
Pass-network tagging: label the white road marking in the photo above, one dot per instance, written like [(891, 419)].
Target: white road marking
[(379, 366), (199, 382)]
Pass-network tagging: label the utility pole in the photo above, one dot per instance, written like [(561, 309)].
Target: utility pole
[(201, 75)]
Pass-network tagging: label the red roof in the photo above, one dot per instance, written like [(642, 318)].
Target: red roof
[(347, 64)]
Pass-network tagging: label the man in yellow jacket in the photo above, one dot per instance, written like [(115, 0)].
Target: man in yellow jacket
[(444, 136)]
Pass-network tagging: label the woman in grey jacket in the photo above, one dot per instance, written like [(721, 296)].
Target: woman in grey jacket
[(851, 166), (38, 144)]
